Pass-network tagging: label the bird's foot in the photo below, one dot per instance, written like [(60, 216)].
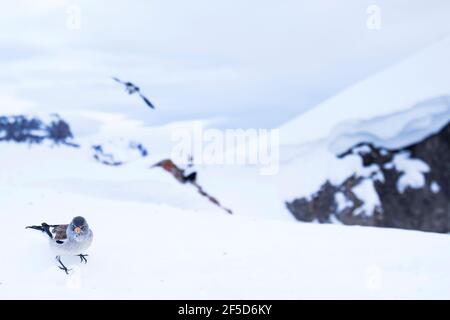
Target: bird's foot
[(83, 258), (62, 267), (65, 269)]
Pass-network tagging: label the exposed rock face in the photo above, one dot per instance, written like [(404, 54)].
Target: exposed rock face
[(22, 129), (418, 200), (119, 152)]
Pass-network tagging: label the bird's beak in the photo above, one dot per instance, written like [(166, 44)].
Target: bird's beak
[(77, 230)]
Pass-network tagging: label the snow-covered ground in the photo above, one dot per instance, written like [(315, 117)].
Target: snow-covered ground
[(155, 238), (150, 243)]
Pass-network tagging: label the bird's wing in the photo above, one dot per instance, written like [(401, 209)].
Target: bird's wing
[(146, 101), (118, 80), (43, 227), (59, 232)]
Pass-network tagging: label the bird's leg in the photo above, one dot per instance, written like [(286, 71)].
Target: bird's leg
[(83, 257), (63, 267)]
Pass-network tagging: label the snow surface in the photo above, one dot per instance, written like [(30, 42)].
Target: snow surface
[(154, 239), (120, 150), (394, 130), (435, 188), (412, 171), (366, 190), (342, 202)]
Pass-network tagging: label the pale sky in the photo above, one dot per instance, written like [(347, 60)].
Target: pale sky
[(246, 63)]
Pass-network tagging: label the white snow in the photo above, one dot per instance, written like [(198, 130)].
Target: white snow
[(342, 201), (365, 191), (435, 188), (394, 130), (118, 150), (38, 133), (361, 149), (373, 171), (335, 220), (389, 165), (154, 239), (412, 171)]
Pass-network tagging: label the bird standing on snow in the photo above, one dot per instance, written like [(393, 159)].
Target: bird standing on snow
[(68, 239), (131, 88)]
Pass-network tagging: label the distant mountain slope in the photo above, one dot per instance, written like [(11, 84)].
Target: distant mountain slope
[(421, 77)]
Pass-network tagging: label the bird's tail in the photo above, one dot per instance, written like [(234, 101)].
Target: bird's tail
[(191, 177), (43, 227)]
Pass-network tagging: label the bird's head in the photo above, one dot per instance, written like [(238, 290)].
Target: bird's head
[(79, 227)]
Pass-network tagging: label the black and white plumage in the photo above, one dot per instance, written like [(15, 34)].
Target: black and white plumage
[(132, 88), (68, 239)]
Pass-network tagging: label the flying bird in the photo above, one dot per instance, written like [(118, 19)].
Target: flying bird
[(68, 239), (131, 88)]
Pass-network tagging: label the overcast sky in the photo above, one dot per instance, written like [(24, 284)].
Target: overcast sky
[(250, 63)]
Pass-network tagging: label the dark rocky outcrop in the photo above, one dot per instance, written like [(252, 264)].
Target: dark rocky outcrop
[(32, 130), (425, 208), (104, 154)]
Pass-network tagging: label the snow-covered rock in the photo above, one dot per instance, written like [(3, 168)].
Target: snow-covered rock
[(32, 130), (413, 194), (118, 152)]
